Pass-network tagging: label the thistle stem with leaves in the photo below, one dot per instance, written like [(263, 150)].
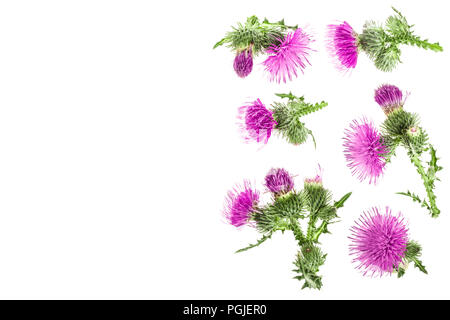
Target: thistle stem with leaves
[(402, 128)]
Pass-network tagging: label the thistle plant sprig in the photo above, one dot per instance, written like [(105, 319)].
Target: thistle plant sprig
[(402, 128), (380, 43), (257, 122), (306, 213), (287, 47), (368, 151)]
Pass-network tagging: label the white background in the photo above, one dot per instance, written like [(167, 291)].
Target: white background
[(118, 143)]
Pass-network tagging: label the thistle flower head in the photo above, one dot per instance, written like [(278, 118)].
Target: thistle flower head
[(243, 62), (256, 122), (364, 150), (389, 97), (342, 44), (289, 55), (240, 203), (378, 241), (279, 181)]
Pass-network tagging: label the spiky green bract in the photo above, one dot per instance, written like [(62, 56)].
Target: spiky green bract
[(281, 213), (258, 34), (382, 44), (309, 259), (288, 114), (285, 213), (412, 254), (402, 128)]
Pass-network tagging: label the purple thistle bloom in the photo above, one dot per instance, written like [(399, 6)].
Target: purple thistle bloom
[(289, 55), (279, 181), (379, 241), (240, 203), (243, 63), (257, 121), (389, 97), (342, 45), (364, 150)]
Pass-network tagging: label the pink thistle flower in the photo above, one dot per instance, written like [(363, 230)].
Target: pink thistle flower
[(342, 44), (289, 55), (256, 121), (317, 179), (279, 181), (378, 241), (243, 63), (240, 203), (389, 97), (364, 150)]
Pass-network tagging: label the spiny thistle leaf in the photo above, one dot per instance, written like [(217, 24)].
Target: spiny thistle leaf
[(259, 242), (416, 198), (340, 203)]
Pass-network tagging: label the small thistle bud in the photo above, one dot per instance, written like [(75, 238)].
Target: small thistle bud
[(389, 97), (414, 131), (241, 203), (256, 122), (279, 181), (243, 62)]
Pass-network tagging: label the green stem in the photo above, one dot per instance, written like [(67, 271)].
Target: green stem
[(311, 227), (298, 233), (426, 182)]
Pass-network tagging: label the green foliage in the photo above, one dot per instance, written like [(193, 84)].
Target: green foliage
[(309, 259), (288, 114), (285, 213), (412, 255), (381, 44), (279, 214), (259, 242), (259, 35)]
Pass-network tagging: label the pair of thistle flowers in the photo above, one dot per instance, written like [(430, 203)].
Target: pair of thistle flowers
[(288, 48), (379, 240)]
